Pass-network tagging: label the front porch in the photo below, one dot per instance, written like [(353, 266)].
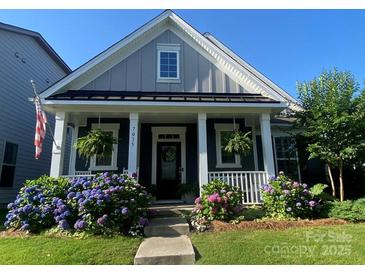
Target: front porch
[(167, 150)]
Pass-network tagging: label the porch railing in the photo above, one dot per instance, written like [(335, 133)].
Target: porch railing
[(249, 182)]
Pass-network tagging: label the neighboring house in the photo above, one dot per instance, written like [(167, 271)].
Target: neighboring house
[(24, 56), (171, 94)]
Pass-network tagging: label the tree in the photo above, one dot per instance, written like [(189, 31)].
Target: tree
[(333, 121)]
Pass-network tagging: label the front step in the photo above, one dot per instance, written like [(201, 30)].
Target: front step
[(170, 210), (165, 251), (167, 226)]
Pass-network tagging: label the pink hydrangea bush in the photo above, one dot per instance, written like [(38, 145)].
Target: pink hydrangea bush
[(218, 201)]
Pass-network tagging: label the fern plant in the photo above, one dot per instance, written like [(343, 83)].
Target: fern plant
[(239, 143), (96, 142)]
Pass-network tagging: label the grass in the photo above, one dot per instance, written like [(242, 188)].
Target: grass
[(343, 244), (67, 251), (49, 250)]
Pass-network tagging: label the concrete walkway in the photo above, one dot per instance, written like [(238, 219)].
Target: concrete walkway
[(167, 242)]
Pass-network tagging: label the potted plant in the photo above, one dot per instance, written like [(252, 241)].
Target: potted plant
[(96, 142), (239, 142), (189, 191)]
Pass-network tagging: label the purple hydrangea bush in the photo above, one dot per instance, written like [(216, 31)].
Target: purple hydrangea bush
[(108, 203), (284, 198), (104, 204), (218, 201), (32, 210)]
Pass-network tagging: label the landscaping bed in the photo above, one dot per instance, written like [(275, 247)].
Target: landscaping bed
[(219, 226)]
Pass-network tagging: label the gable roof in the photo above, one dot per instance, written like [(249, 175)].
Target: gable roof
[(41, 41), (225, 59), (251, 69)]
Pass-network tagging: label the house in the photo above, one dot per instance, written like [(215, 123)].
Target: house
[(25, 56), (171, 95)]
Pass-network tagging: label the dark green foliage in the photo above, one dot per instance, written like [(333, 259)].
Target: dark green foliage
[(239, 142), (348, 210), (96, 142), (189, 188), (253, 213), (333, 120)]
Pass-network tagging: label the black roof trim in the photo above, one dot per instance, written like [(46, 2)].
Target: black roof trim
[(150, 96)]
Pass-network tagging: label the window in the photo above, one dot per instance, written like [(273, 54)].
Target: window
[(9, 163), (99, 162), (224, 158), (168, 63), (287, 157)]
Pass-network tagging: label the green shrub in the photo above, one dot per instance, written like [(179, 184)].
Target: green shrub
[(218, 201), (285, 199), (347, 210)]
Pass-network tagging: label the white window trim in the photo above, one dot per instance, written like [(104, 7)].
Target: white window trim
[(114, 128), (168, 48), (218, 146), (296, 158)]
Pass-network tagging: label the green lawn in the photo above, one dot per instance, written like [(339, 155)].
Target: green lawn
[(48, 250), (342, 244), (51, 250)]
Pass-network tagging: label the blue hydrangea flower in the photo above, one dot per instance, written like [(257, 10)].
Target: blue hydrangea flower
[(27, 209), (63, 224), (80, 224), (312, 203), (124, 211), (71, 195), (143, 221), (25, 227)]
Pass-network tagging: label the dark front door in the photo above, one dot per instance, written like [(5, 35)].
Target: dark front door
[(168, 170)]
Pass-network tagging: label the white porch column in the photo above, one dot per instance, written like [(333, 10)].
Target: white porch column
[(266, 139), (58, 144), (133, 143), (72, 162), (202, 149)]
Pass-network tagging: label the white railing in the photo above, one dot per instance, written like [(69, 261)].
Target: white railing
[(249, 182)]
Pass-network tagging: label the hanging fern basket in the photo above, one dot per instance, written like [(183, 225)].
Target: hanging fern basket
[(96, 142), (239, 143)]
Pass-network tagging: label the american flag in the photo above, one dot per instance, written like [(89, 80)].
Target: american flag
[(40, 129)]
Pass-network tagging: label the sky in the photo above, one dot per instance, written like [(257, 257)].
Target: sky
[(287, 46)]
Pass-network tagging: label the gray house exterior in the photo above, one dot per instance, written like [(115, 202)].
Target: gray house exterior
[(24, 55), (170, 95)]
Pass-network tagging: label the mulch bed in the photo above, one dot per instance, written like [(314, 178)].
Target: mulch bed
[(218, 226), (14, 233)]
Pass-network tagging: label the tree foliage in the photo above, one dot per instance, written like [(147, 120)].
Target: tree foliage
[(333, 119)]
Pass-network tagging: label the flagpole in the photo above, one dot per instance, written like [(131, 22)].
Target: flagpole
[(37, 98)]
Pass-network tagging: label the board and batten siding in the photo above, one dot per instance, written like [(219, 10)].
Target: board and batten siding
[(138, 72), (17, 114)]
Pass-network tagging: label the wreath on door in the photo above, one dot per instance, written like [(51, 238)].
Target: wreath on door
[(169, 154)]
